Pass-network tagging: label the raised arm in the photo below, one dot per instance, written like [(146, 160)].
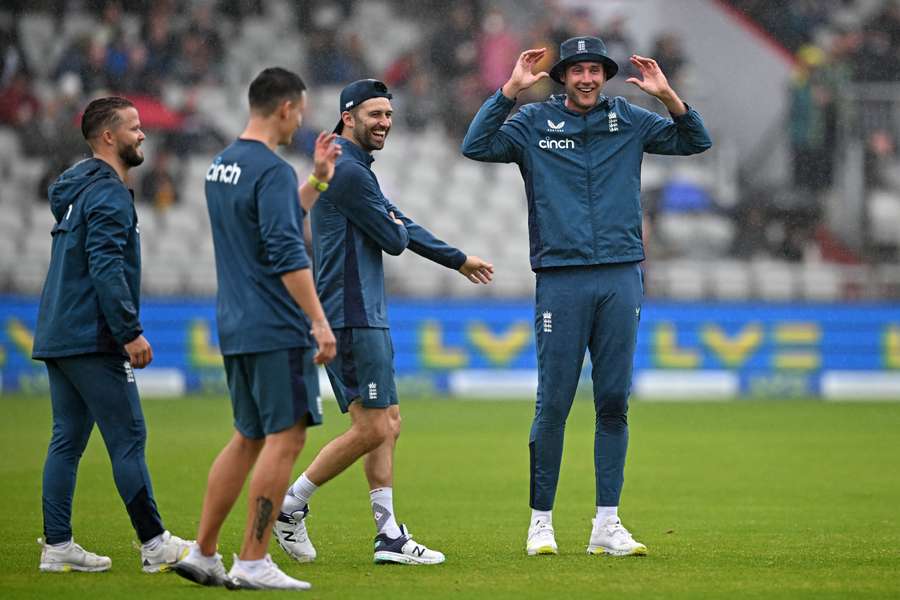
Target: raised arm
[(325, 154), (490, 137), (685, 133)]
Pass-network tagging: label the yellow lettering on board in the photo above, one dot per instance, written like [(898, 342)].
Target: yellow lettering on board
[(201, 352), (666, 352), (733, 351), (433, 353), (797, 334), (20, 336), (892, 347), (501, 349)]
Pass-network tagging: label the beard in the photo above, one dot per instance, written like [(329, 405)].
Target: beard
[(131, 156), (366, 140)]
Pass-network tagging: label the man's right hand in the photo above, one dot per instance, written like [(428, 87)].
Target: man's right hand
[(140, 354), (522, 76), (321, 331)]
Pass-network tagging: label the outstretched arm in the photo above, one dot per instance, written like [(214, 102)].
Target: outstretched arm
[(489, 138), (425, 244)]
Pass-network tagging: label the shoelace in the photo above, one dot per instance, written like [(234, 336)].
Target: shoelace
[(618, 530), (541, 527)]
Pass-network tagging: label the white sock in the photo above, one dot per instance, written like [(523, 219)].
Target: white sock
[(250, 566), (153, 543), (383, 511), (542, 515), (62, 545), (298, 495), (605, 512)]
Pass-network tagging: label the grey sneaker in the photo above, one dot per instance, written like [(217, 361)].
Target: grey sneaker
[(71, 557), (205, 570), (170, 550), (290, 531)]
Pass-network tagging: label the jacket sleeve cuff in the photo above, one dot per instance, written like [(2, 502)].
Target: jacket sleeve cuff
[(129, 335)]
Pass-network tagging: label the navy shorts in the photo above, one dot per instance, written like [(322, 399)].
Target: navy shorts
[(271, 391), (363, 369)]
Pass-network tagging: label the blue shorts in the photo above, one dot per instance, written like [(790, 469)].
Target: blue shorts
[(363, 369), (271, 391)]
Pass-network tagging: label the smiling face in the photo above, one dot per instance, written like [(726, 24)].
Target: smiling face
[(369, 123), (583, 81)]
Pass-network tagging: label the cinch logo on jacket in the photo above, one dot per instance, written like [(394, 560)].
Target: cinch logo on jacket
[(222, 173), (563, 144)]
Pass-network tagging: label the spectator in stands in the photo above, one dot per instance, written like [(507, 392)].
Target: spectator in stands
[(809, 97), (11, 58), (18, 103), (161, 43), (498, 47), (453, 50), (669, 55), (159, 186)]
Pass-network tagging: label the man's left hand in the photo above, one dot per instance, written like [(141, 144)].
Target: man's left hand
[(324, 156), (654, 82), (477, 270)]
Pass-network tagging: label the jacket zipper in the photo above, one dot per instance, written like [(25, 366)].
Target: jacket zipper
[(587, 168)]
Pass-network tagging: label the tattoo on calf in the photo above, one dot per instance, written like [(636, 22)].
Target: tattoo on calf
[(263, 514)]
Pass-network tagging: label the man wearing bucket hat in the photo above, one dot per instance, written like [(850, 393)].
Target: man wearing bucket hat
[(353, 224), (580, 156)]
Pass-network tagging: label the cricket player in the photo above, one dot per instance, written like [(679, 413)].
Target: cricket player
[(90, 337), (353, 224), (269, 320), (580, 156)]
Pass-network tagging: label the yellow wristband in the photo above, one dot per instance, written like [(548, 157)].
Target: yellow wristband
[(319, 185)]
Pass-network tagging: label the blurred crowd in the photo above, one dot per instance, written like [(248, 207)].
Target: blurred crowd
[(844, 51), (146, 50)]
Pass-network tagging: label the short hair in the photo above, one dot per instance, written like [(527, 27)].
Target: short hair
[(101, 114), (272, 87)]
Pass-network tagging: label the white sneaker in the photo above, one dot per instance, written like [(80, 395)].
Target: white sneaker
[(541, 539), (267, 577), (290, 531), (205, 570), (170, 550), (404, 550), (71, 557), (610, 537)]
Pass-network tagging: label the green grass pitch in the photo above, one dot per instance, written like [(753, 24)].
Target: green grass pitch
[(751, 499)]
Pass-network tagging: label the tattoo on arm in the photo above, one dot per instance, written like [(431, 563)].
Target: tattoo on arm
[(263, 514)]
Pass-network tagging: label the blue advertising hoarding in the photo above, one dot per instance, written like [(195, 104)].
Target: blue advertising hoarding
[(750, 348)]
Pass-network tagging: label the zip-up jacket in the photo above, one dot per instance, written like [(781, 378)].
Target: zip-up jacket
[(351, 227), (582, 172), (92, 294)]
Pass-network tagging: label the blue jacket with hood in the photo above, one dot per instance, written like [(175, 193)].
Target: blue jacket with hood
[(582, 172), (91, 297)]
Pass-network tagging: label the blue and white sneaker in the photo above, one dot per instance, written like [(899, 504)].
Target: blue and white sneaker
[(290, 531), (404, 550)]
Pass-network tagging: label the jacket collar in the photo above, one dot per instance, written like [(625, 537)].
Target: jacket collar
[(355, 151), (604, 102)]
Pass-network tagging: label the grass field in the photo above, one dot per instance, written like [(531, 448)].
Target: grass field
[(752, 499)]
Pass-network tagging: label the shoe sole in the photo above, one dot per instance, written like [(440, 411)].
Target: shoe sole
[(542, 551), (165, 567), (385, 557), (68, 568), (199, 576), (243, 584), (598, 550), (302, 558)]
